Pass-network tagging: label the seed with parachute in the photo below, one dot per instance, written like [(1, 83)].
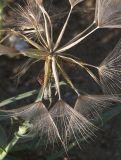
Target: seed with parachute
[(91, 106), (108, 13), (110, 72), (41, 123), (70, 123)]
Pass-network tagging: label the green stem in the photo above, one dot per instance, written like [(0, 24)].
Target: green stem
[(18, 97), (21, 132), (40, 95), (22, 129)]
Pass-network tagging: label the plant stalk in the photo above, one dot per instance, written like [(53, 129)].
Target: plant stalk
[(17, 135), (19, 97), (21, 132)]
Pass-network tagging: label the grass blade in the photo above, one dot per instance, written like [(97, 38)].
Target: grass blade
[(19, 97)]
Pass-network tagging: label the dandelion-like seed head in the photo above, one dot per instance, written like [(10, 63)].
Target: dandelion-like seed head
[(62, 122)]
